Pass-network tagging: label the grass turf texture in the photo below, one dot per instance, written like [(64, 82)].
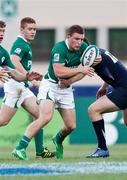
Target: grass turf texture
[(72, 154)]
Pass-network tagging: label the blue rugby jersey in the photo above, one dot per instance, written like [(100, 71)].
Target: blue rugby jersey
[(111, 70)]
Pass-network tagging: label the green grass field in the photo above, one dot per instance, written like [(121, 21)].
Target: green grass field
[(72, 154)]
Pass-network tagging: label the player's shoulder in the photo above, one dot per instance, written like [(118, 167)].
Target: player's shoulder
[(3, 50), (19, 45), (60, 46), (20, 42)]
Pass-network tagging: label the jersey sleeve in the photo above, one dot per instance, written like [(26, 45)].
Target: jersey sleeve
[(7, 61), (58, 56), (18, 50)]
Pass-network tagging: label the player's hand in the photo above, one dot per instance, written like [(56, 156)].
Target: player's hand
[(63, 83), (4, 75), (34, 76), (35, 83), (97, 61), (101, 92), (86, 70)]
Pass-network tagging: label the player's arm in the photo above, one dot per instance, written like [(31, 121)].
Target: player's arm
[(16, 61), (19, 75), (29, 76), (9, 66), (66, 82), (65, 72), (63, 83)]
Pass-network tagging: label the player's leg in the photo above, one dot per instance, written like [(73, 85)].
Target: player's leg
[(6, 114), (46, 108), (9, 106), (66, 109), (31, 106), (96, 109), (68, 116)]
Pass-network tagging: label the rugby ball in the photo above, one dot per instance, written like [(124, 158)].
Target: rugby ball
[(89, 55)]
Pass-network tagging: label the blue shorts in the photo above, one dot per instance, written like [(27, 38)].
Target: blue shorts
[(118, 96)]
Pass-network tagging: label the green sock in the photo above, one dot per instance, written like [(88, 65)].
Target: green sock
[(23, 143), (60, 137), (39, 141)]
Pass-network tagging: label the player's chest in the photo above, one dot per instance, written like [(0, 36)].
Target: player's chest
[(72, 60)]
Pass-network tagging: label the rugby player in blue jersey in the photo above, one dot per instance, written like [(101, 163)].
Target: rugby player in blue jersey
[(113, 73)]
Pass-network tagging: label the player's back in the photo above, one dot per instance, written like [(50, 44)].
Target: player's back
[(111, 70)]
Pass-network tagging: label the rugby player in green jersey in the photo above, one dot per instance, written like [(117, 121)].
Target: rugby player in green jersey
[(7, 69), (17, 93), (64, 63)]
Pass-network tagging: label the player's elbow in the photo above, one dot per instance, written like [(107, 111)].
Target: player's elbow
[(59, 74)]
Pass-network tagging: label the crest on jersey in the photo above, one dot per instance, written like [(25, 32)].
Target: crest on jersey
[(56, 57), (18, 50)]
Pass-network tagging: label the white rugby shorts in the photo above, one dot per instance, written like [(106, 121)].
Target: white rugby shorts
[(63, 98), (15, 93)]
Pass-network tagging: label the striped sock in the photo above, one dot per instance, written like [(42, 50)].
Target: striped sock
[(23, 143)]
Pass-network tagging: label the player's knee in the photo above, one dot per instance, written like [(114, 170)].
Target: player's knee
[(46, 119), (3, 122), (94, 112)]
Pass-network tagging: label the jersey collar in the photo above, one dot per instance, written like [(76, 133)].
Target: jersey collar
[(67, 44), (19, 36)]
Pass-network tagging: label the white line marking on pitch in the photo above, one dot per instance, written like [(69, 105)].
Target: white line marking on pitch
[(63, 168)]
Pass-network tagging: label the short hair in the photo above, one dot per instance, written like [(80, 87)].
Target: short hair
[(2, 24), (26, 20), (75, 29)]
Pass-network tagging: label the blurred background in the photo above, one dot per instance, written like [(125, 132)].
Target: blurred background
[(105, 24)]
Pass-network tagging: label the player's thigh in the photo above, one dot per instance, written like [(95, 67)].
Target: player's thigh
[(46, 110), (103, 105), (6, 113), (30, 105), (68, 116)]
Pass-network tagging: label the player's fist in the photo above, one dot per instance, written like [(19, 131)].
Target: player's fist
[(34, 76), (3, 75)]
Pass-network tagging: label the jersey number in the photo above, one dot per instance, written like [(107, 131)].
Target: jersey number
[(114, 59)]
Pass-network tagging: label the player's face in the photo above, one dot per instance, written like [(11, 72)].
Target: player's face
[(29, 31), (75, 41), (2, 31)]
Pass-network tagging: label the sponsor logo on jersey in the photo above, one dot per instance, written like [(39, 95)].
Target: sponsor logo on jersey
[(56, 57), (18, 50)]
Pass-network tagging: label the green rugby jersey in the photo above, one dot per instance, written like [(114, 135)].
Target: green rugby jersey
[(61, 54), (5, 58), (23, 49)]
